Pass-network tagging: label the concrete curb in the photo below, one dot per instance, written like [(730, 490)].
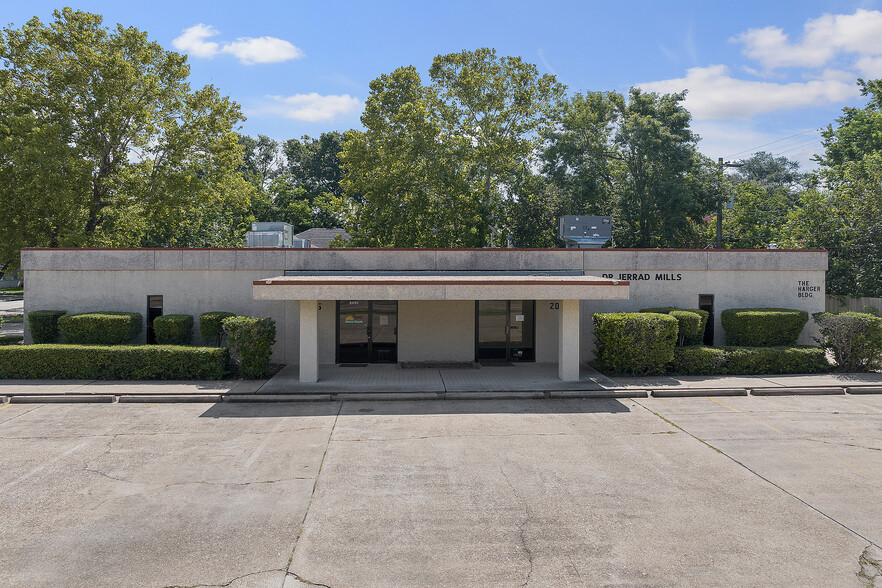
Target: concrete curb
[(863, 389), (794, 391), (692, 392), (152, 398)]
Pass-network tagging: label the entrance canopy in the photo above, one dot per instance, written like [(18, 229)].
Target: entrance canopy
[(393, 286)]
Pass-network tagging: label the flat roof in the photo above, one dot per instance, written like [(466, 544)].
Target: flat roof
[(439, 287)]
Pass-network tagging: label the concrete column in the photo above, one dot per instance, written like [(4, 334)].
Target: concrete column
[(309, 356), (568, 341)]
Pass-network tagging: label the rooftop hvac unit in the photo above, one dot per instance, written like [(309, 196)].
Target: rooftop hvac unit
[(273, 235), (585, 232)]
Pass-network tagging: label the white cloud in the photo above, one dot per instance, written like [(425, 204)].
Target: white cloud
[(246, 49), (823, 39), (262, 50), (192, 41), (870, 67), (714, 94), (311, 107)]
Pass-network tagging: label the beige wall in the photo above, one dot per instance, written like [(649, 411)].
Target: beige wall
[(439, 330), (196, 281)]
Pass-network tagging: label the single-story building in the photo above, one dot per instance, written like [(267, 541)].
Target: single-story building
[(425, 305)]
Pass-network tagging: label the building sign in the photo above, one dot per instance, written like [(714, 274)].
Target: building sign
[(645, 276), (805, 289), (351, 320)]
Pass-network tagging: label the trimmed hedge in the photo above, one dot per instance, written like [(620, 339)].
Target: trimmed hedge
[(118, 362), (634, 343), (688, 325), (733, 361), (252, 340), (43, 325), (763, 327), (211, 326), (696, 338), (173, 329), (853, 338), (100, 328)]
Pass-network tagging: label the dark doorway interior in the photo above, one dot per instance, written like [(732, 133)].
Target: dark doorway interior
[(154, 309), (505, 330), (367, 331), (706, 302)]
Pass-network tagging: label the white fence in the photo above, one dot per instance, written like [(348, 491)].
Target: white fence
[(844, 303)]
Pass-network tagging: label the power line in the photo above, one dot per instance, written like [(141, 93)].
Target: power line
[(753, 149), (799, 147)]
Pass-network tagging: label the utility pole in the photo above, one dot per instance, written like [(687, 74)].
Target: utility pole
[(720, 201)]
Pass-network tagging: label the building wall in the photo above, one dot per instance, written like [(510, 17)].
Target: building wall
[(439, 330), (193, 281)]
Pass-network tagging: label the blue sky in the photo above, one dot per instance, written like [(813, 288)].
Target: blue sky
[(757, 72)]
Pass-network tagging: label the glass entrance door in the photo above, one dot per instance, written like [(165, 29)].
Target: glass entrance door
[(367, 331), (505, 330)]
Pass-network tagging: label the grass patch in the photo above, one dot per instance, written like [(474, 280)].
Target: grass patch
[(12, 318), (12, 291)]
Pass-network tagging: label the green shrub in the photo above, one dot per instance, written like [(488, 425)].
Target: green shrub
[(734, 361), (118, 362), (43, 325), (634, 343), (100, 328), (12, 318), (698, 361), (696, 338), (252, 341), (688, 324), (854, 339), (211, 326), (763, 327), (11, 339), (173, 329)]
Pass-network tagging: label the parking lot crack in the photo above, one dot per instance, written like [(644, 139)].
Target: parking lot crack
[(303, 580), (312, 497), (522, 526), (870, 561), (230, 583)]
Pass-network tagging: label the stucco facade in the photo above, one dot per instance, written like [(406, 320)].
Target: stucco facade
[(436, 311)]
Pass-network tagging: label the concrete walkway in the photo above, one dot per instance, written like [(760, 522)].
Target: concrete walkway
[(390, 382)]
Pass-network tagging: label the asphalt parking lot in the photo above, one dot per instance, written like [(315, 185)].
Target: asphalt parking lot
[(603, 492)]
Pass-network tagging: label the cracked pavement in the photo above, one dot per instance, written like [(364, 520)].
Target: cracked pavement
[(648, 492)]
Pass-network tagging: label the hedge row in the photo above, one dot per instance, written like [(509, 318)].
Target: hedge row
[(43, 325), (763, 327), (173, 329), (713, 361), (100, 328), (688, 333), (633, 342), (211, 326), (119, 362), (251, 339)]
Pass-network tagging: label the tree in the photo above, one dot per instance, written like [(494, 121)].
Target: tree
[(766, 170), (314, 164), (102, 141), (415, 193), (261, 160), (636, 160), (844, 218), (435, 163)]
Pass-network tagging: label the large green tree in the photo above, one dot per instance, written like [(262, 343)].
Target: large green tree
[(103, 142), (843, 216), (636, 160), (436, 164)]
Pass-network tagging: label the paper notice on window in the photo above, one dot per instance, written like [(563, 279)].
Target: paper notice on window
[(384, 320), (519, 318)]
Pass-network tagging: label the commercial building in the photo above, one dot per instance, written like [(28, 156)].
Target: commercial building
[(425, 305)]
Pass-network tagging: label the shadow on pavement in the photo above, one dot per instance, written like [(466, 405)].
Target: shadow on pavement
[(414, 407)]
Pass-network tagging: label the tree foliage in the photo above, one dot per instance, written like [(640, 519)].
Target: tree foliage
[(435, 163), (102, 141), (634, 159)]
